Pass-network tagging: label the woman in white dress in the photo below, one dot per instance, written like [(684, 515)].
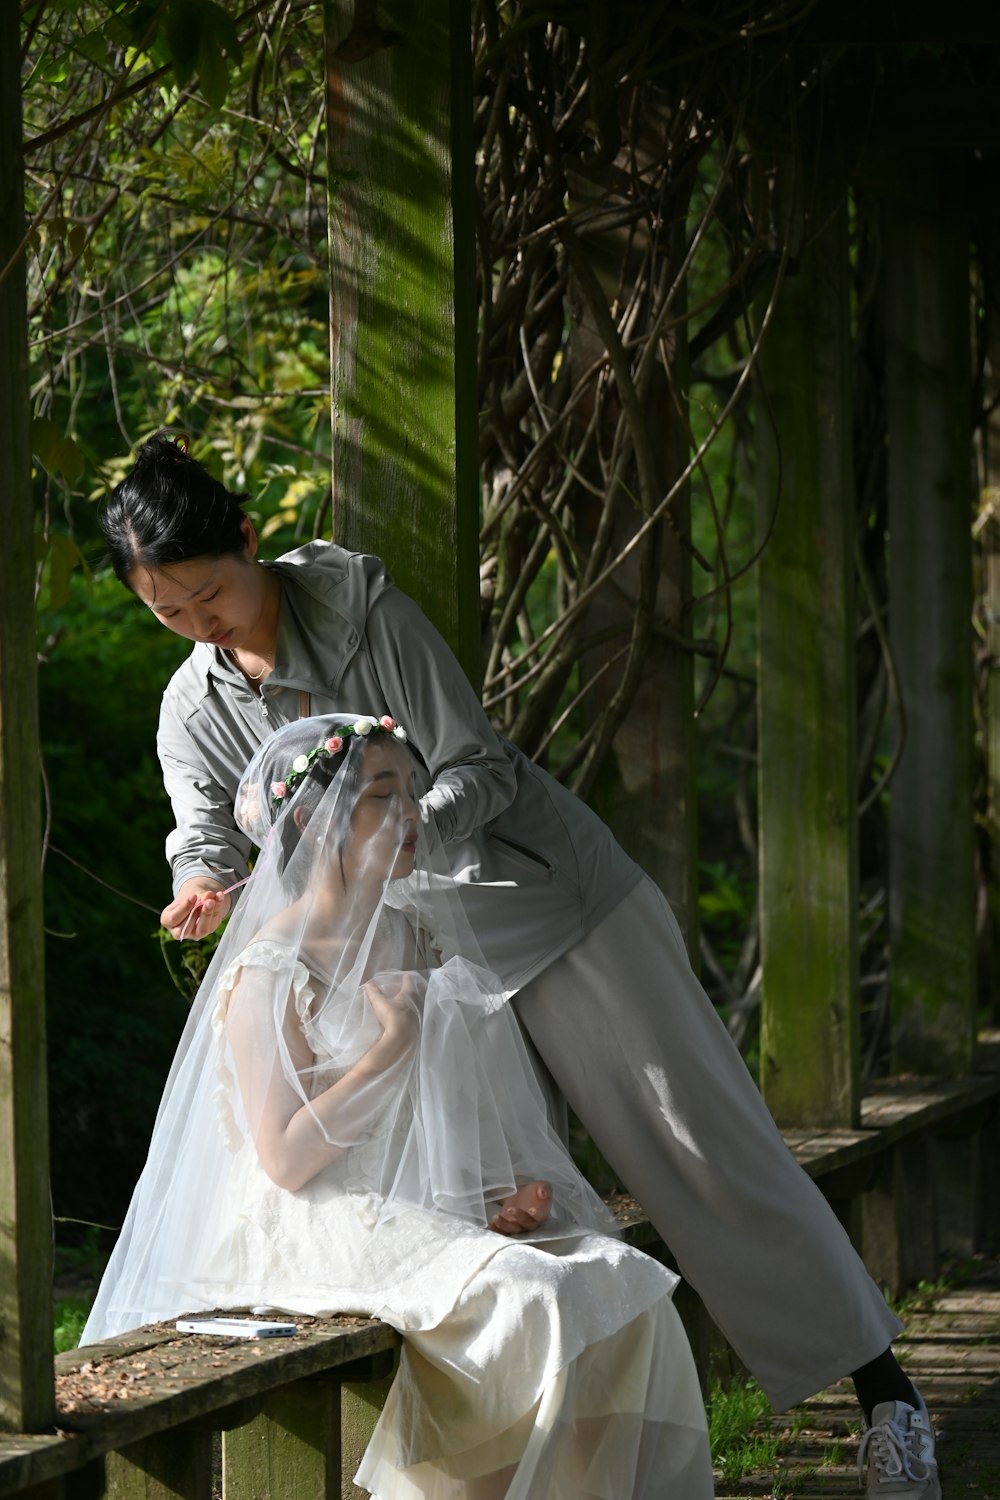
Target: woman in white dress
[(351, 1124)]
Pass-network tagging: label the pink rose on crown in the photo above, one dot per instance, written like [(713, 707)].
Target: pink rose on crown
[(278, 788), (334, 744), (386, 722)]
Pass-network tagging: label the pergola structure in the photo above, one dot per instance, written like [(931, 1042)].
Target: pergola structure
[(911, 120)]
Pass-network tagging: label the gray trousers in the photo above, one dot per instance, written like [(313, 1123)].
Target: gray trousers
[(634, 1043)]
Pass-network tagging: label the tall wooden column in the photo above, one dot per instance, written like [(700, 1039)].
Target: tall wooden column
[(26, 1381), (932, 889), (807, 794), (989, 578), (400, 169)]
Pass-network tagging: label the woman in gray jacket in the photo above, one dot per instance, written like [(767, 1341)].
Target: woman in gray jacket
[(581, 937)]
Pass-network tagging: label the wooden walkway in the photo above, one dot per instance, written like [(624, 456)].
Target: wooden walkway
[(952, 1350)]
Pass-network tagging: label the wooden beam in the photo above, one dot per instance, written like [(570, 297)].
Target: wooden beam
[(931, 874), (806, 690), (988, 529), (402, 298), (26, 1382)]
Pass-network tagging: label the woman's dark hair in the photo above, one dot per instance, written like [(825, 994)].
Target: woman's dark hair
[(309, 793), (169, 509)]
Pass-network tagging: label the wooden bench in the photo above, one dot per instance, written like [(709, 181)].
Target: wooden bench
[(138, 1415), (155, 1414)]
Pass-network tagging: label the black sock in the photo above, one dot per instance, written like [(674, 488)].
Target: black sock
[(881, 1380)]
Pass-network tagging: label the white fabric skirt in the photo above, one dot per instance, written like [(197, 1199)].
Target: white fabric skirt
[(518, 1395)]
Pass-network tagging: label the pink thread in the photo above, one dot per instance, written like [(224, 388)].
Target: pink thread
[(202, 901)]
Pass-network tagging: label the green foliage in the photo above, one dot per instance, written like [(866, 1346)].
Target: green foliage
[(69, 1316), (202, 39), (176, 272), (726, 899), (734, 1410), (174, 276), (113, 1017), (80, 1255), (186, 962)]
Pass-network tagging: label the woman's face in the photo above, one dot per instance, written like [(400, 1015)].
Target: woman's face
[(213, 599), (386, 818)]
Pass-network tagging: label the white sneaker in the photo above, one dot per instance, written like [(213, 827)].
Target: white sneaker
[(899, 1447)]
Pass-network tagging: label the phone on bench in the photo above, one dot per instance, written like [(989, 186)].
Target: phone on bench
[(236, 1328)]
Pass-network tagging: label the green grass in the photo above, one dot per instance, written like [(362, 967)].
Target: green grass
[(733, 1413), (69, 1316)]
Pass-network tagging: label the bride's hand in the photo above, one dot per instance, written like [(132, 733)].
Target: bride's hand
[(524, 1210), (396, 1010)]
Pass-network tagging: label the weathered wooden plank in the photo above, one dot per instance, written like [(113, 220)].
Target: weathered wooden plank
[(405, 468), (932, 887), (54, 1489), (899, 1219), (25, 1226), (361, 1403), (291, 1448), (946, 1098), (171, 1465), (987, 528), (116, 1394), (806, 694)]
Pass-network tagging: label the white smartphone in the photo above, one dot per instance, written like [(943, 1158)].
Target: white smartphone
[(236, 1328)]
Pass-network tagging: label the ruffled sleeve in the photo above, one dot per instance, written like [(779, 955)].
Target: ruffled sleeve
[(272, 957)]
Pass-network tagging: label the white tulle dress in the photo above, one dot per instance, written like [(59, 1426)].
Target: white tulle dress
[(551, 1365)]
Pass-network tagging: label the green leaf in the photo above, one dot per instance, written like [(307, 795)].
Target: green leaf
[(201, 37), (59, 554), (77, 239), (182, 30), (213, 75), (56, 453), (94, 47), (56, 69)]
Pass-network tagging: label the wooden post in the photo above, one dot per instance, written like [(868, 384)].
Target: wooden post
[(806, 690), (361, 1403), (989, 580), (173, 1465), (26, 1376), (292, 1448), (402, 321), (932, 887), (652, 807)]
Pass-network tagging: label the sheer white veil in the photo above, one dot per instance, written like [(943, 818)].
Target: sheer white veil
[(346, 1044)]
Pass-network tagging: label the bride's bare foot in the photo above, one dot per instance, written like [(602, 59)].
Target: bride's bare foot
[(526, 1209)]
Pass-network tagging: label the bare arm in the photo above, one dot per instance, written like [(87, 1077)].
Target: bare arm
[(295, 1139)]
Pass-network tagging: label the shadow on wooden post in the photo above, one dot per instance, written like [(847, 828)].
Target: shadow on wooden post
[(402, 302), (26, 1372)]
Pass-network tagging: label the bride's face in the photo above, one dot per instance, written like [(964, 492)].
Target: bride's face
[(382, 842)]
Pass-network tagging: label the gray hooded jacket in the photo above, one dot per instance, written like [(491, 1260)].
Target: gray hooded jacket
[(540, 868)]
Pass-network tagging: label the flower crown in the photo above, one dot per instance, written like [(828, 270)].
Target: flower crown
[(281, 791)]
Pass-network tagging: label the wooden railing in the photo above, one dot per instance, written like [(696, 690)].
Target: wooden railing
[(157, 1414)]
